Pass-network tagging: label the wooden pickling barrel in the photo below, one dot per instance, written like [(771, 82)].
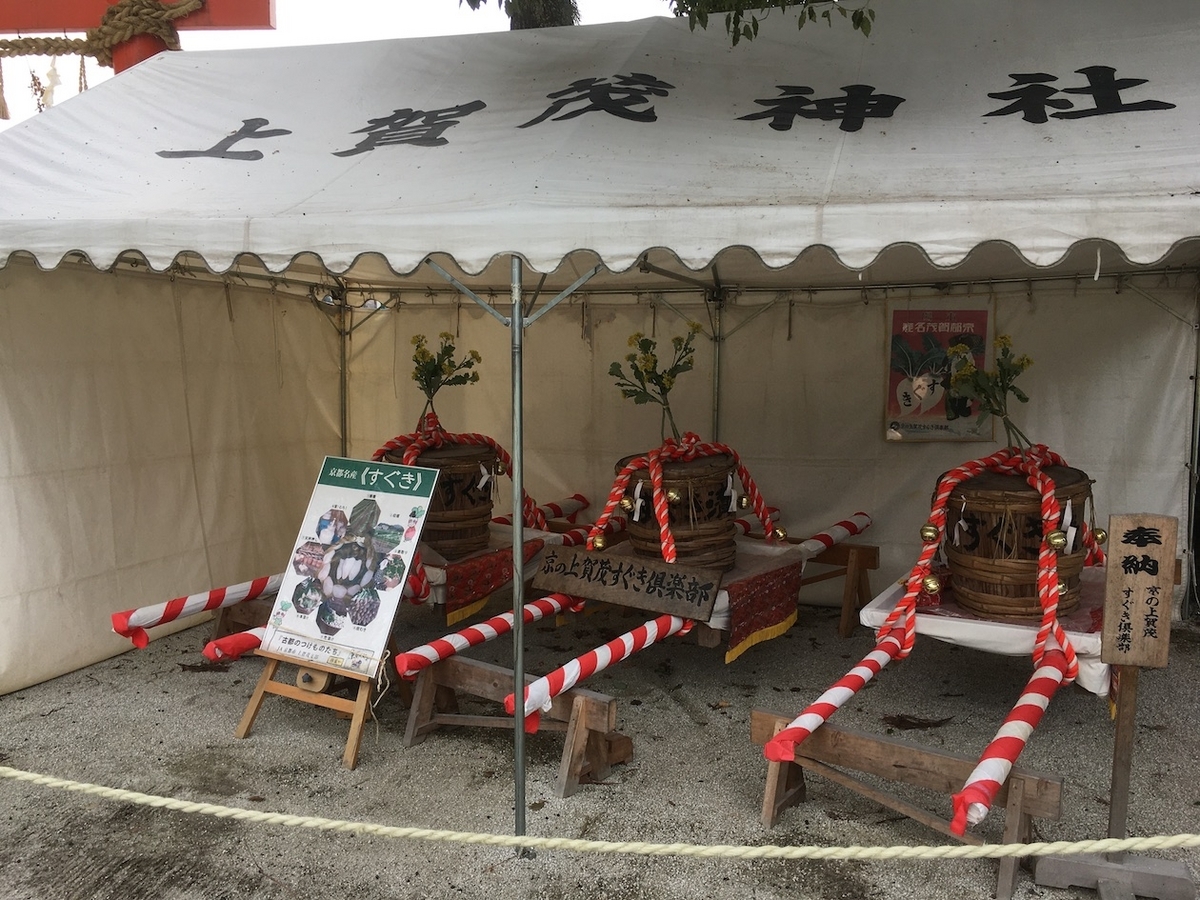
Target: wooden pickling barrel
[(459, 511), (994, 562), (700, 520)]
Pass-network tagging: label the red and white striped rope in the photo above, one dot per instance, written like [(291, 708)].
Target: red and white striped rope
[(579, 536), (409, 665), (233, 646), (132, 623), (782, 747), (615, 495), (540, 692), (689, 447), (836, 533), (746, 526), (972, 803), (568, 509), (417, 588), (898, 633)]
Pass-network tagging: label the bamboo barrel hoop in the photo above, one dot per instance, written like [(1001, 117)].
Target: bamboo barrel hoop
[(993, 534), (700, 521), (460, 510)]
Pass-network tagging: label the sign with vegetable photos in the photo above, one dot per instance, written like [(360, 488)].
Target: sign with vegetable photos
[(339, 596), (654, 585), (1138, 590)]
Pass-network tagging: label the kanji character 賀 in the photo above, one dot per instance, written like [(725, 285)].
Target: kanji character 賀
[(419, 127)]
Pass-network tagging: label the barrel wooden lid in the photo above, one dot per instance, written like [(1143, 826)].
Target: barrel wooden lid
[(995, 485), (702, 467), (450, 453)]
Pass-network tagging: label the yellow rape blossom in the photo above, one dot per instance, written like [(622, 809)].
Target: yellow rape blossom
[(432, 371)]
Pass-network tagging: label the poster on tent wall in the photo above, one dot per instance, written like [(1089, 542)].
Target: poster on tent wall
[(340, 591), (926, 347)]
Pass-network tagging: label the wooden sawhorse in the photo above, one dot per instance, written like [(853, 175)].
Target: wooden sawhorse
[(311, 685), (852, 562), (592, 746), (1025, 794)]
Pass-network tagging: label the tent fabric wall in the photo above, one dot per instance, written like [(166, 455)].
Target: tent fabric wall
[(619, 138), (155, 440), (158, 440), (1111, 390), (160, 432)]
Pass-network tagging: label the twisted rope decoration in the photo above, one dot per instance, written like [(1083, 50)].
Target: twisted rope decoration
[(898, 632), (1008, 461), (120, 23), (430, 434), (641, 848), (687, 448)]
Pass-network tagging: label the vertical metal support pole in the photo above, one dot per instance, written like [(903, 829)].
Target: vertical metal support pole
[(1191, 592), (344, 373), (517, 329), (718, 340)]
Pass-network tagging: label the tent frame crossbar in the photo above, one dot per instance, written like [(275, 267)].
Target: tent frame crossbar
[(525, 317)]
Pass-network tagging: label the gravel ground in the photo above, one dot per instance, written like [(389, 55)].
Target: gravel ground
[(149, 721)]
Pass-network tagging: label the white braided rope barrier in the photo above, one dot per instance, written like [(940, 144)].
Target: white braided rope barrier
[(642, 848)]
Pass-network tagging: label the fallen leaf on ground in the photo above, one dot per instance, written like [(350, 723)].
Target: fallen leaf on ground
[(908, 723)]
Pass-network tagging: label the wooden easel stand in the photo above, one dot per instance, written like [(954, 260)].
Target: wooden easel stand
[(355, 708), (829, 750)]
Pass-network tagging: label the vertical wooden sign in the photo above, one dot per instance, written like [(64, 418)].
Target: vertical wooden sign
[(1138, 590)]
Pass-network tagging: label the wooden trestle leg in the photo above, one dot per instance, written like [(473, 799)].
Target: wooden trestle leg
[(830, 751)]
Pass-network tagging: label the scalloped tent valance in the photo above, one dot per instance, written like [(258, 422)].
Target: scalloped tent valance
[(1038, 126)]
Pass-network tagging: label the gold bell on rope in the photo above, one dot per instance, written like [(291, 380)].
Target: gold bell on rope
[(1057, 540), (1062, 589), (627, 504), (673, 496), (929, 532), (598, 542), (931, 584), (744, 501), (1100, 535), (780, 534)]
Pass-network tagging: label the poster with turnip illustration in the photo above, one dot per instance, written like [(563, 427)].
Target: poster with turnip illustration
[(339, 594), (921, 404)]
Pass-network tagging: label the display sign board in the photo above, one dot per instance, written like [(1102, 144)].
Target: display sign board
[(654, 585), (340, 592), (1138, 590)]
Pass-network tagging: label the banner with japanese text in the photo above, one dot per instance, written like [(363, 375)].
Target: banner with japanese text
[(356, 544)]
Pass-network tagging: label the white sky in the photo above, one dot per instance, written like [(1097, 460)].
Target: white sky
[(310, 22)]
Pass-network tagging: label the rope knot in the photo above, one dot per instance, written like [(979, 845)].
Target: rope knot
[(125, 20), (430, 429)]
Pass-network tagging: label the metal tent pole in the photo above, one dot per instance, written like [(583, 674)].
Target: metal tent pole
[(343, 371), (516, 323), (517, 332)]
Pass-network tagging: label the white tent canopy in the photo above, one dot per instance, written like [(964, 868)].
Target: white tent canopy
[(159, 430), (616, 139)]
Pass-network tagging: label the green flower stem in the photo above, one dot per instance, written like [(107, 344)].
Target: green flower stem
[(668, 418)]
